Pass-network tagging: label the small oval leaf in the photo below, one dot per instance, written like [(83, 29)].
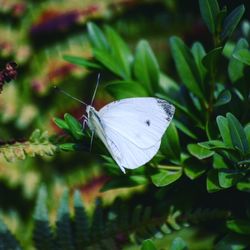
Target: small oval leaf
[(166, 177)]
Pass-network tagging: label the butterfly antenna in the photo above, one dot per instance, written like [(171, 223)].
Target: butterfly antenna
[(67, 94), (96, 87)]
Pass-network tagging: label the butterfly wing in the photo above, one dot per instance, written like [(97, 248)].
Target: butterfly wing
[(142, 121), (126, 153)]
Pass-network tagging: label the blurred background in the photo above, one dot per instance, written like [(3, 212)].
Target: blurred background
[(36, 35)]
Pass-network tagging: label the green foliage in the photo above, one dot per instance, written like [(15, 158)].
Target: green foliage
[(228, 154), (107, 225), (148, 245), (186, 66), (199, 101), (206, 148), (239, 226), (220, 152), (218, 22), (166, 177), (243, 55), (146, 68), (178, 244), (231, 21)]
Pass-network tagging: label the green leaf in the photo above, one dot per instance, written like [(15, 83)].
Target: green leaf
[(126, 89), (220, 19), (97, 38), (68, 146), (238, 136), (199, 152), (223, 98), (178, 244), (212, 59), (199, 53), (61, 123), (165, 177), (247, 132), (146, 68), (239, 226), (212, 181), (236, 68), (121, 53), (170, 143), (213, 144), (222, 123), (108, 61), (209, 11), (193, 168), (75, 126), (186, 66), (244, 185), (243, 55), (148, 245), (246, 28), (228, 49), (227, 178), (231, 21), (219, 162), (81, 62), (168, 84), (184, 129)]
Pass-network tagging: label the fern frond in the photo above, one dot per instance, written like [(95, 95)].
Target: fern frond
[(199, 215), (81, 222), (42, 235), (64, 237), (7, 240), (97, 220), (111, 227), (38, 144)]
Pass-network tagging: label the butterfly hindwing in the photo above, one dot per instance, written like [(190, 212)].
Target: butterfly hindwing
[(127, 154)]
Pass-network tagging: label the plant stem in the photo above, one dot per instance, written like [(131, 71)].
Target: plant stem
[(169, 167)]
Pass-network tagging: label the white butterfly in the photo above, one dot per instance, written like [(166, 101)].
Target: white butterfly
[(131, 129)]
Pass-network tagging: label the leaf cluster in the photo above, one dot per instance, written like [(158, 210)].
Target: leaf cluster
[(201, 97)]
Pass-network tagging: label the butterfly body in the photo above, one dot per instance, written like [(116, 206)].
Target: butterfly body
[(131, 129), (95, 124)]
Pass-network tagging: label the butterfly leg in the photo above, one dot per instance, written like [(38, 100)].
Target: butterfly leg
[(84, 122), (91, 141)]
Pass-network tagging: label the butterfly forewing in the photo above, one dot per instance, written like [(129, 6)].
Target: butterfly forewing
[(142, 121)]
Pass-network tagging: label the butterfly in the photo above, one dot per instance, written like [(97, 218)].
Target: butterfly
[(131, 128)]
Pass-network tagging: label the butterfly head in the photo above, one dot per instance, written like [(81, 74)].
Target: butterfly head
[(90, 109), (91, 112)]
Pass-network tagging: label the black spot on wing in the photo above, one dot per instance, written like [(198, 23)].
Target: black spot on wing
[(147, 122), (167, 107)]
